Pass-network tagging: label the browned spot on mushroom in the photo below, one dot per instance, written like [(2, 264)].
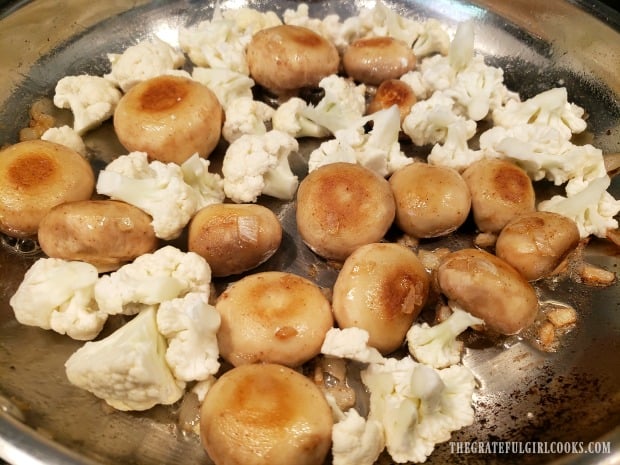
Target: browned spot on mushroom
[(164, 94), (31, 169)]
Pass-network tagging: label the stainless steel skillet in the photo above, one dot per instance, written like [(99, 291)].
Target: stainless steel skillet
[(572, 395)]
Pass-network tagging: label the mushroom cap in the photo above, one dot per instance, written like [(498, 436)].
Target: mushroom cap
[(489, 288), (393, 92), (35, 176), (431, 200), (381, 288), (535, 243), (105, 233), (170, 118), (272, 317), (341, 206), (373, 60), (500, 190), (286, 57), (234, 238), (265, 414)]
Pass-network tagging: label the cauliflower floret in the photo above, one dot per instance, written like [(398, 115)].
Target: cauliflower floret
[(91, 99), (246, 116), (455, 152), (479, 89), (417, 405), (151, 279), (59, 295), (593, 208), (545, 153), (250, 20), (431, 39), (418, 84), (340, 33), (429, 120), (258, 164), (461, 49), (331, 151), (300, 17), (216, 44), (381, 21), (351, 343), (437, 73), (288, 117), (550, 108), (145, 60), (227, 85), (201, 388), (382, 152), (379, 150), (209, 187), (221, 41), (445, 401), (355, 440), (128, 368), (190, 327), (65, 135), (343, 106), (437, 346), (157, 188)]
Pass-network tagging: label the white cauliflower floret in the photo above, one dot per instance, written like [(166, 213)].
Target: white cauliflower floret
[(300, 17), (437, 346), (429, 120), (91, 99), (331, 151), (418, 84), (127, 369), (215, 44), (340, 33), (221, 41), (455, 152), (209, 187), (59, 295), (246, 116), (288, 117), (379, 150), (479, 89), (475, 87), (151, 279), (432, 38), (461, 49), (351, 343), (437, 72), (593, 208), (227, 85), (417, 405), (250, 20), (190, 327), (381, 21), (201, 388), (545, 153), (550, 108), (355, 440), (343, 106), (446, 400), (258, 164), (157, 188), (67, 136), (145, 60)]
